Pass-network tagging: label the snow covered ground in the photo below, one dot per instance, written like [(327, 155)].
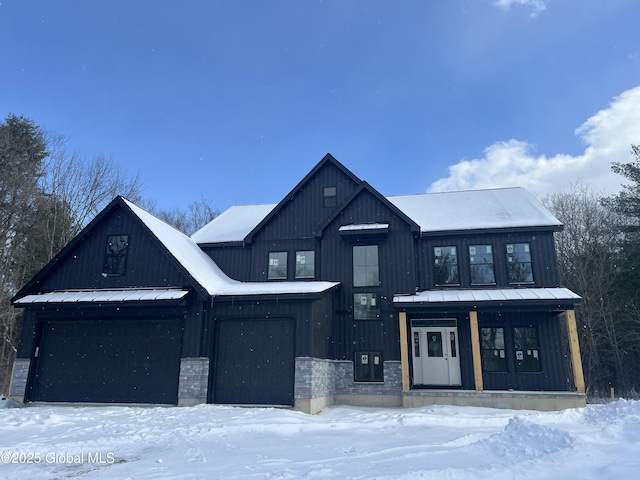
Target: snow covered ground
[(210, 442)]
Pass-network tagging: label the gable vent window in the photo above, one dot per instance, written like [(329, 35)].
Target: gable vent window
[(330, 196), (115, 258)]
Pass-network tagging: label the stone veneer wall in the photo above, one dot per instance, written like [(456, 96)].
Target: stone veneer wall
[(331, 381), (194, 380), (392, 384), (314, 377), (19, 379)]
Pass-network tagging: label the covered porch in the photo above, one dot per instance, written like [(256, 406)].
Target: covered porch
[(501, 348)]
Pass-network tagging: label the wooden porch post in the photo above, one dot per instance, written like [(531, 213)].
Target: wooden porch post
[(404, 350), (475, 349), (574, 348)]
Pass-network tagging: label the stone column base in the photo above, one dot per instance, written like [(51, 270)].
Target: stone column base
[(19, 379), (194, 381)]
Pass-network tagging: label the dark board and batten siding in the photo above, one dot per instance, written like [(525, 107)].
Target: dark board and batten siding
[(147, 264), (298, 219), (553, 376), (308, 320), (543, 257), (234, 260), (397, 271)]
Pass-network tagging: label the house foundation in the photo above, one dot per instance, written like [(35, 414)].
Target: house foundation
[(520, 400)]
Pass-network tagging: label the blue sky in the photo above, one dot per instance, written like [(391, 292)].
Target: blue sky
[(237, 100)]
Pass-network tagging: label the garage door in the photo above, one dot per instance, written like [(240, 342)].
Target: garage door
[(254, 363), (108, 361)]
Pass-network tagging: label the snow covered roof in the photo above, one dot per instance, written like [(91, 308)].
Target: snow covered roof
[(433, 212), (205, 271), (233, 224), (436, 297), (123, 295), (475, 209), (363, 226)]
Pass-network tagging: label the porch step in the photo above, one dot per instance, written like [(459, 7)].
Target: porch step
[(516, 400)]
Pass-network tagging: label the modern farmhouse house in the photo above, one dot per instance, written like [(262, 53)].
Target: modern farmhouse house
[(335, 295)]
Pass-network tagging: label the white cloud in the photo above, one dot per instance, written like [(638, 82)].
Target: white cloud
[(608, 136), (537, 6)]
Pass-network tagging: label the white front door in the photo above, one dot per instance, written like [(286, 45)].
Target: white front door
[(436, 358)]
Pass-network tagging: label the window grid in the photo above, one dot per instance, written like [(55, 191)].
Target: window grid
[(526, 349), (305, 264), (116, 252), (494, 358), (277, 266), (481, 265), (366, 306), (445, 261), (368, 367), (366, 272), (330, 196), (519, 263)]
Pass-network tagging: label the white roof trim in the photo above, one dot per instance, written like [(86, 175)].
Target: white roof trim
[(363, 226), (127, 295), (489, 295)]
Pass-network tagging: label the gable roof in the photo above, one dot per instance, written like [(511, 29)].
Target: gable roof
[(207, 273), (365, 187), (207, 277), (447, 212), (328, 158), (476, 210), (233, 225)]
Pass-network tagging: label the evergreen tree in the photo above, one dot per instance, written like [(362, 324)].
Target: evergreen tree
[(627, 204)]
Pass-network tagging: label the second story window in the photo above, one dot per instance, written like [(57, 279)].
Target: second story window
[(305, 264), (519, 263), (445, 266), (366, 272), (115, 258), (481, 263), (277, 266)]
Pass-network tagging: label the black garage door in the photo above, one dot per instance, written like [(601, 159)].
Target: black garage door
[(254, 362), (108, 361)]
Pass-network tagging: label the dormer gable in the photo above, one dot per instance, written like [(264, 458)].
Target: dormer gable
[(373, 219), (323, 190)]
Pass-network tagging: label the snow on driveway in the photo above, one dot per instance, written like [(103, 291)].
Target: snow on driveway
[(213, 441)]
